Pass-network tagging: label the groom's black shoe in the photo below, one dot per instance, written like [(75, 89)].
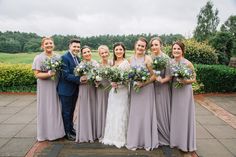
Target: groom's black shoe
[(73, 132), (70, 137)]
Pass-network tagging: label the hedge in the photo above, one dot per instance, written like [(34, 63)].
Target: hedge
[(216, 78), (197, 52), (17, 78), (210, 78)]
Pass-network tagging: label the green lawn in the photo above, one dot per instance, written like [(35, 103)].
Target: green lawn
[(27, 58)]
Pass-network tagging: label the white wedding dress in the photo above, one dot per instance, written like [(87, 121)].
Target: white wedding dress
[(117, 114)]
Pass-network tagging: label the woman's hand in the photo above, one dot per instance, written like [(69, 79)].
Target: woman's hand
[(83, 79), (140, 84), (51, 73), (114, 85), (183, 81), (159, 79)]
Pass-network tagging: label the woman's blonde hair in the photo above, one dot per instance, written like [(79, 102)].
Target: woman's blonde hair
[(104, 47)]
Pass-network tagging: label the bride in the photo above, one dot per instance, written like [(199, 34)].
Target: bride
[(118, 108)]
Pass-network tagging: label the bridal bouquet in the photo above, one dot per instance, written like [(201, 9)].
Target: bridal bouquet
[(181, 71), (52, 64), (159, 63), (101, 73), (116, 75), (88, 69), (138, 74)]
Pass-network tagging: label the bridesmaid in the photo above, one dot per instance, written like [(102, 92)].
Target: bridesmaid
[(142, 127), (86, 104), (182, 126), (49, 119), (102, 95), (162, 94)]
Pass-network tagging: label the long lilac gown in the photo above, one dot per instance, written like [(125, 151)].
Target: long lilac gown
[(49, 118), (142, 126), (163, 105), (102, 101), (86, 112), (182, 128)]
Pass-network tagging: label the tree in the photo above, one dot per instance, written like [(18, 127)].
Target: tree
[(32, 45), (230, 27), (222, 42), (207, 23)]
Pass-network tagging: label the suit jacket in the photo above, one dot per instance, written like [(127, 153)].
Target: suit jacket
[(68, 84)]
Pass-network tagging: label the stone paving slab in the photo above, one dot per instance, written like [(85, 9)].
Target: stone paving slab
[(203, 133), (230, 144), (202, 111), (210, 120), (9, 131), (3, 141), (4, 117), (20, 119), (28, 131), (212, 148), (30, 109), (17, 147), (10, 110), (221, 131)]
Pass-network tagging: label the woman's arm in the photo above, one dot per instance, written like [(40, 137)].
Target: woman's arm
[(41, 75)]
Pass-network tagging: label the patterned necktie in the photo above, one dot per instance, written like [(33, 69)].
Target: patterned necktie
[(76, 61)]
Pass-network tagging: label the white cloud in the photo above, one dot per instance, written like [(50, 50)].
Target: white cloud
[(91, 17)]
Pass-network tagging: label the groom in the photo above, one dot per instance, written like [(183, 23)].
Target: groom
[(68, 87)]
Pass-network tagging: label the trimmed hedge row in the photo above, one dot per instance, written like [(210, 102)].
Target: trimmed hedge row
[(216, 78), (17, 78), (210, 78)]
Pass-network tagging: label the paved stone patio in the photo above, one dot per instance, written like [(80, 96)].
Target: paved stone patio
[(216, 134)]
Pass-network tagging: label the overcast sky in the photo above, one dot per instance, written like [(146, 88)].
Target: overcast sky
[(97, 17)]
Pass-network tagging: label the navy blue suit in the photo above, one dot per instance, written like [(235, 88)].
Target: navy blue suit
[(68, 88)]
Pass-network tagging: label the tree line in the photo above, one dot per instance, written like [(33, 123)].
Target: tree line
[(14, 42)]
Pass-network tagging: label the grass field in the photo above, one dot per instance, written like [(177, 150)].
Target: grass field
[(28, 58)]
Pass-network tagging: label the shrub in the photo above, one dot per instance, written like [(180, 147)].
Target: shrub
[(197, 52), (216, 78), (222, 57), (17, 77)]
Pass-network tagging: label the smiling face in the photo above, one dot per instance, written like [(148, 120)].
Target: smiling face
[(177, 51), (140, 47), (119, 52), (74, 48), (104, 54), (86, 54), (156, 46), (48, 45)]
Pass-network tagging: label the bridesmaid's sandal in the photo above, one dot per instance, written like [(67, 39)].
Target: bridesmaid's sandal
[(147, 149)]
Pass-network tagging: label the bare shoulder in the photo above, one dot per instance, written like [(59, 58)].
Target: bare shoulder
[(148, 59), (189, 64)]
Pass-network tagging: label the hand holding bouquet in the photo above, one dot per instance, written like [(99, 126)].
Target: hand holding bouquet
[(52, 65), (118, 76), (138, 74), (181, 71), (86, 69), (159, 63)]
